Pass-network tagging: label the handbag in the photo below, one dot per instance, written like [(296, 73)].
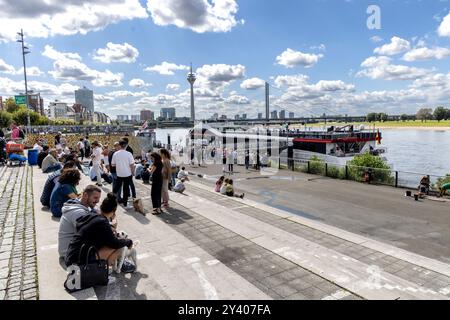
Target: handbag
[(88, 274)]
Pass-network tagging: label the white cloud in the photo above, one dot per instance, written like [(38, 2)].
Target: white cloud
[(51, 53), (291, 81), (376, 39), (173, 87), (197, 15), (397, 45), (102, 98), (253, 84), (166, 68), (124, 94), (31, 71), (237, 99), (44, 18), (426, 54), (221, 72), (6, 68), (139, 83), (381, 68), (68, 67), (115, 52), (47, 90), (444, 28), (291, 59)]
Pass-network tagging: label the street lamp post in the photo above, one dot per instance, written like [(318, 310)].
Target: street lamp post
[(25, 50)]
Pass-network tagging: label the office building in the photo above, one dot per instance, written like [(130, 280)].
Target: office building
[(85, 97)]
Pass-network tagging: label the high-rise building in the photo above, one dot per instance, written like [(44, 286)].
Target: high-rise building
[(85, 97), (147, 115), (282, 114), (123, 118), (236, 117), (58, 110), (244, 116), (167, 113), (274, 114), (215, 116), (135, 117), (291, 115), (260, 116)]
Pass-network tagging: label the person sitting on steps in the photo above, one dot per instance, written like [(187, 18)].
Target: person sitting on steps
[(229, 190)]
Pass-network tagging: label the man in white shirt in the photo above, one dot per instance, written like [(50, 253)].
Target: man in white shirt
[(38, 146), (123, 161), (96, 161)]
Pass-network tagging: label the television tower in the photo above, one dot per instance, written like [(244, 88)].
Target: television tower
[(191, 79)]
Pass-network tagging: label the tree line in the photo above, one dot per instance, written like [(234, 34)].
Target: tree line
[(424, 114)]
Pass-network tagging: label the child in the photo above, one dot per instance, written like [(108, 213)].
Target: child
[(229, 190), (224, 186), (219, 184)]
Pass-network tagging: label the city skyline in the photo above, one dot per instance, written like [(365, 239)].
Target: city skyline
[(318, 56)]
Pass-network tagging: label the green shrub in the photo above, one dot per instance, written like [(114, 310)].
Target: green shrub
[(5, 119), (316, 165), (335, 172), (442, 181), (381, 172)]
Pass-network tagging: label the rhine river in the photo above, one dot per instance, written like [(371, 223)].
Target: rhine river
[(408, 150)]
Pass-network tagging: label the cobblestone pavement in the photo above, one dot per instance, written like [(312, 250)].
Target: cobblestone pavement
[(277, 277), (18, 270)]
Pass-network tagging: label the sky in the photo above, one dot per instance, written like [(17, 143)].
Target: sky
[(319, 56)]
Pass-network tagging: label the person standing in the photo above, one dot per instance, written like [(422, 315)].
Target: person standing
[(123, 161), (96, 161), (157, 182), (166, 175), (247, 159), (87, 147), (111, 169), (80, 147)]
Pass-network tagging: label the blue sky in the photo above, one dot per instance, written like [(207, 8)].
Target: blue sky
[(318, 55)]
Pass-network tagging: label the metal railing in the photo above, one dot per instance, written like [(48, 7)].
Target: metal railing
[(394, 178)]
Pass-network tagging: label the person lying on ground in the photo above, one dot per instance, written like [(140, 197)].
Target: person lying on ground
[(71, 211), (52, 182), (219, 184), (94, 230), (230, 190), (68, 181)]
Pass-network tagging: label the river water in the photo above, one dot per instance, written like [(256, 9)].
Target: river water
[(408, 150)]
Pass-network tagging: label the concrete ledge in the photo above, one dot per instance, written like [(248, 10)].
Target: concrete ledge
[(410, 257)]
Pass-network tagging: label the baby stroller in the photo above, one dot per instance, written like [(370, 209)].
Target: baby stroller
[(14, 153)]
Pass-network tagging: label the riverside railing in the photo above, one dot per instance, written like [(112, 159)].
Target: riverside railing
[(389, 177)]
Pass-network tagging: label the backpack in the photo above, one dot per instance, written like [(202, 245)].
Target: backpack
[(21, 134)]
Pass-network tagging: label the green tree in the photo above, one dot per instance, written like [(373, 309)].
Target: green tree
[(425, 114), (372, 117), (5, 119), (404, 117), (21, 116), (382, 117), (440, 113), (11, 105)]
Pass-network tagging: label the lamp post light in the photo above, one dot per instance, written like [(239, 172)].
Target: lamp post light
[(25, 50)]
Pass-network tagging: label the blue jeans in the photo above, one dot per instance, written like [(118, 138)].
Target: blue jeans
[(53, 168)]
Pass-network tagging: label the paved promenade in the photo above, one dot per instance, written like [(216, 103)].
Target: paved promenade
[(207, 246)]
